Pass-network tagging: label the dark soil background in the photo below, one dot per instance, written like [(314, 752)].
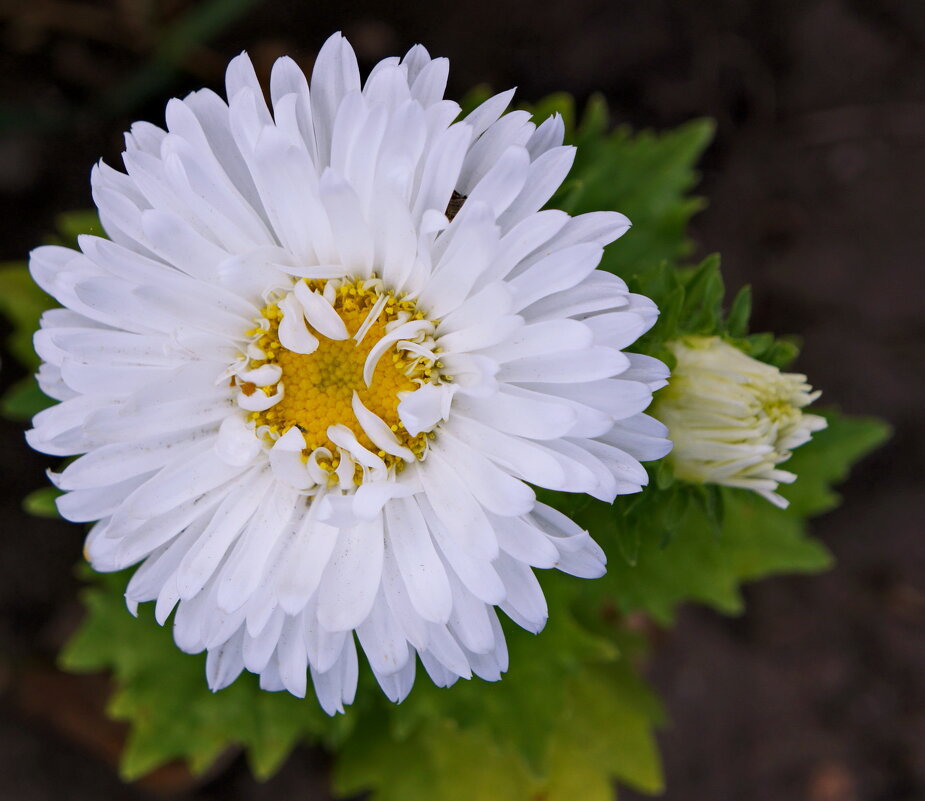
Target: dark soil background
[(816, 184)]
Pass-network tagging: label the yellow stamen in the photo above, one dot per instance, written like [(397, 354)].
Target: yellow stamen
[(319, 387)]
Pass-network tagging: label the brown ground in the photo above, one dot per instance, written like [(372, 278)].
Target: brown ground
[(816, 182)]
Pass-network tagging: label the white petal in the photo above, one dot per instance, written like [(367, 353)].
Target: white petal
[(524, 594), (351, 579), (525, 542), (181, 482), (291, 656), (241, 573), (524, 414), (237, 444), (258, 649), (560, 270), (566, 367), (301, 574), (319, 313), (345, 439), (422, 409), (335, 74), (410, 540), (381, 435), (229, 519), (293, 333), (225, 663), (545, 176), (286, 460), (382, 639), (496, 490)]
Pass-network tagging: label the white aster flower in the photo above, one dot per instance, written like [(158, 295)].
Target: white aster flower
[(733, 419), (328, 347)]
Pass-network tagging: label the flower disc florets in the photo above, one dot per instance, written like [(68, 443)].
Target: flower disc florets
[(340, 371), (331, 344)]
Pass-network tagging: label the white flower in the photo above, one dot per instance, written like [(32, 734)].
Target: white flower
[(312, 404), (733, 419)]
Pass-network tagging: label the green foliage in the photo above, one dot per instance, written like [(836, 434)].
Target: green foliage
[(162, 692), (23, 399), (571, 717), (41, 502), (826, 461), (572, 713), (645, 176), (600, 731), (680, 542), (22, 303)]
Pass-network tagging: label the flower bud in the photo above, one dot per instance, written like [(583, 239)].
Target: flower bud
[(732, 418)]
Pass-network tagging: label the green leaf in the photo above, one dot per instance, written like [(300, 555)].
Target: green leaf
[(23, 400), (595, 122), (72, 224), (162, 692), (646, 176), (41, 502), (755, 540), (606, 735), (560, 103), (602, 733), (562, 718), (22, 303), (720, 538), (562, 685), (703, 298), (827, 458), (739, 313)]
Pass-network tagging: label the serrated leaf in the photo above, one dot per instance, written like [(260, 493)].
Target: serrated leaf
[(739, 313), (439, 760), (599, 721), (515, 730), (827, 459), (730, 536), (703, 298), (645, 176), (607, 735), (756, 540), (162, 692)]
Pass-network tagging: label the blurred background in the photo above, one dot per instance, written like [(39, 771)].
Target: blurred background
[(816, 188)]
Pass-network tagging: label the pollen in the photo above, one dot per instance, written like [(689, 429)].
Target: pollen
[(319, 386)]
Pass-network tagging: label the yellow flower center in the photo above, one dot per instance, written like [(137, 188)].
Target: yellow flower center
[(319, 386)]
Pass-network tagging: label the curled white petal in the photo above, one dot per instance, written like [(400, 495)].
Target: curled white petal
[(319, 312), (259, 401), (293, 332), (422, 409)]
